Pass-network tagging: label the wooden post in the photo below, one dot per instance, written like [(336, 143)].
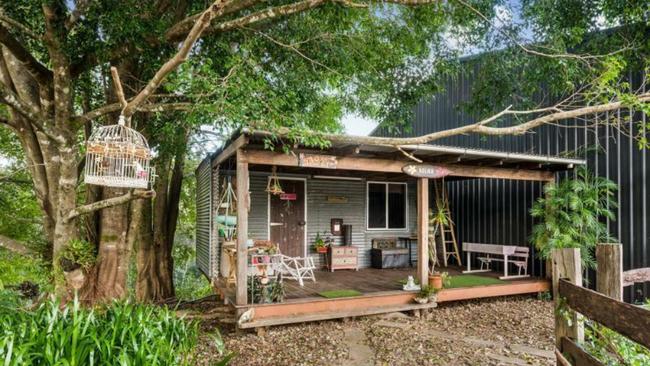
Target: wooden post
[(548, 273), (609, 278), (423, 230), (566, 264), (241, 297)]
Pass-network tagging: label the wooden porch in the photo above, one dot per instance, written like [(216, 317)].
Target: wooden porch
[(381, 292), (352, 159)]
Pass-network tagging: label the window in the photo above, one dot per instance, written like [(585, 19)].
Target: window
[(387, 206)]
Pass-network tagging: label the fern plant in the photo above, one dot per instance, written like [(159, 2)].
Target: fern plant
[(572, 214), (78, 253)]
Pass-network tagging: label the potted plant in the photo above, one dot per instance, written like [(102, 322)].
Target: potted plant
[(426, 294), (437, 218), (319, 244)]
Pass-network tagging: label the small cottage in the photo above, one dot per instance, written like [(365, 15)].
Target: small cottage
[(352, 229)]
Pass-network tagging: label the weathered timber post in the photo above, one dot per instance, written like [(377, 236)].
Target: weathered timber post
[(566, 263), (241, 296), (609, 278), (423, 230)]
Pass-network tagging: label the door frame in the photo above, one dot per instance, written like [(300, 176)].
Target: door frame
[(268, 211)]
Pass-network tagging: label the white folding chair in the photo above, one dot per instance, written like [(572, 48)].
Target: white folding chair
[(297, 268)]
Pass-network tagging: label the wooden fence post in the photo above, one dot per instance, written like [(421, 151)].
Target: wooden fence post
[(566, 264), (609, 278)]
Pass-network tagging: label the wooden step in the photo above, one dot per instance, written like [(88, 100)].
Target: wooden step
[(265, 322)]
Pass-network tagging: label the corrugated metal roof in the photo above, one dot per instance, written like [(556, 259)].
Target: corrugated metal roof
[(378, 144)]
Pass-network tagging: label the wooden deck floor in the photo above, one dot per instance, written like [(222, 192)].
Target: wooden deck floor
[(367, 281), (381, 292)]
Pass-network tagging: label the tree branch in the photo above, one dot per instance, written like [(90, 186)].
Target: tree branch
[(38, 71), (531, 51), (266, 14), (31, 114), (12, 100), (116, 107), (4, 19), (179, 30), (117, 84), (197, 30), (14, 245), (110, 202), (553, 114)]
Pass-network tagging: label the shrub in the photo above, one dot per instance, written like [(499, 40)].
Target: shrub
[(17, 268), (189, 282), (121, 333), (611, 348), (571, 213)]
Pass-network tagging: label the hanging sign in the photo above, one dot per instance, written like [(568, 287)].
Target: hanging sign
[(317, 161), (425, 171), (288, 196), (337, 199)]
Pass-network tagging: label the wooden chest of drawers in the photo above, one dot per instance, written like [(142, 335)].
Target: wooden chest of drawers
[(342, 257)]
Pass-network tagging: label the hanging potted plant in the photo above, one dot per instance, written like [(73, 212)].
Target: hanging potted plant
[(273, 187)]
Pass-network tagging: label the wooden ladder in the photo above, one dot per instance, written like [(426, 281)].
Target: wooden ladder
[(447, 230)]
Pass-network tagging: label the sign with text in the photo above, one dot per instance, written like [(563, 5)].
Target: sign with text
[(425, 171), (317, 161), (288, 196)]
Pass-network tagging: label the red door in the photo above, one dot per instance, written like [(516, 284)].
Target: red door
[(287, 218)]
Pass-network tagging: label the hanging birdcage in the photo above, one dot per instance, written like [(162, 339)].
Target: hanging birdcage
[(118, 156)]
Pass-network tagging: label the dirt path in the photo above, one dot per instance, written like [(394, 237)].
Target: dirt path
[(359, 354), (515, 331)]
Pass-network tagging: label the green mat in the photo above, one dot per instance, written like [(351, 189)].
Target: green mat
[(339, 293), (468, 280)]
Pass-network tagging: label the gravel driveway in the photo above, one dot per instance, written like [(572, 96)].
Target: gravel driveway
[(506, 331)]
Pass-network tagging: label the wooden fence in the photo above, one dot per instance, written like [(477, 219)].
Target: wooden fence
[(605, 308)]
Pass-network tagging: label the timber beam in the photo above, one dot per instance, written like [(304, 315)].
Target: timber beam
[(265, 157), (230, 150)]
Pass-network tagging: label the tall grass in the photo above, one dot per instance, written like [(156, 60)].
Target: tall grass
[(121, 333)]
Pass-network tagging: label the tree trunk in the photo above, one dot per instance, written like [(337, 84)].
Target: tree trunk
[(114, 253)]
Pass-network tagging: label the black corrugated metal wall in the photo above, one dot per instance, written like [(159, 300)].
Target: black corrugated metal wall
[(496, 211)]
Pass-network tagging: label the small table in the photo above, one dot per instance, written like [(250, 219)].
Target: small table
[(504, 250), (408, 241)]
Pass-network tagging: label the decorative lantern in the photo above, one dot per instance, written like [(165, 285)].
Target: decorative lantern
[(118, 156)]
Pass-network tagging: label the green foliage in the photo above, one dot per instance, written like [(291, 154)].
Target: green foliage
[(611, 348), (189, 282), (270, 292), (570, 215), (119, 333), (427, 291), (79, 252), (20, 217), (15, 269)]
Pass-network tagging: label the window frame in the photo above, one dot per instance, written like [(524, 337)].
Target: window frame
[(386, 203)]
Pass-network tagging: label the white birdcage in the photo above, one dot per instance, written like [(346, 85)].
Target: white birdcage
[(118, 156)]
